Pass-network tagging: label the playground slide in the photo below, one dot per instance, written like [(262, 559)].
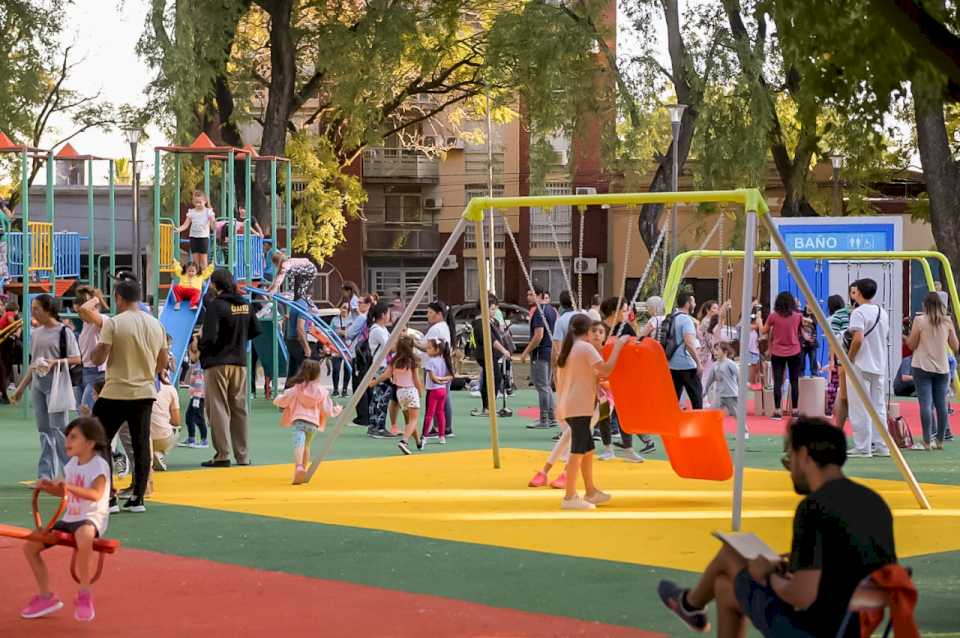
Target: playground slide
[(646, 402), (321, 325), (179, 325)]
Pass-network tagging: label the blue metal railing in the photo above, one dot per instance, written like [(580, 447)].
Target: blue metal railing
[(242, 272), (66, 255)]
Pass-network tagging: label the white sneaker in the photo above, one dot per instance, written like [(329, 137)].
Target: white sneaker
[(598, 498), (859, 454), (606, 455), (576, 503), (884, 453), (631, 456)]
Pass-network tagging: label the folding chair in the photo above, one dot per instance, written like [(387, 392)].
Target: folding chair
[(868, 597)]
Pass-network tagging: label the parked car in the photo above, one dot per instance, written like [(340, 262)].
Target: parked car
[(515, 316)]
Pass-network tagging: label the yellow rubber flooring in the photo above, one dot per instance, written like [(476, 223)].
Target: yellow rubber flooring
[(655, 518)]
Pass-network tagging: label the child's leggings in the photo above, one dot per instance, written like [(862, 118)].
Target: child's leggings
[(303, 433), (561, 449), (436, 411), (186, 293), (195, 419)]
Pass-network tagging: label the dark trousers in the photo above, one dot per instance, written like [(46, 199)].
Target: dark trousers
[(196, 421), (337, 363), (113, 413), (363, 405), (497, 382), (688, 380), (295, 357), (6, 367), (795, 365)]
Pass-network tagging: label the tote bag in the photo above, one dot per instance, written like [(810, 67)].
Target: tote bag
[(62, 398)]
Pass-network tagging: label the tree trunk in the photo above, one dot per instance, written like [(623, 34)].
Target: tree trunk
[(940, 172), (283, 73)]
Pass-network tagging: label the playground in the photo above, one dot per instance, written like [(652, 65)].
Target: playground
[(452, 539)]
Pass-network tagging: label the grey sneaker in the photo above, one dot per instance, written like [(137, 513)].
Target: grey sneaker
[(672, 596)]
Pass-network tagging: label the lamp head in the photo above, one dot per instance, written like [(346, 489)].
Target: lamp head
[(676, 112), (836, 160)]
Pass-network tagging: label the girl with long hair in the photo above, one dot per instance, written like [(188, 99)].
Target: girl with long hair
[(403, 371), (932, 333), (439, 367)]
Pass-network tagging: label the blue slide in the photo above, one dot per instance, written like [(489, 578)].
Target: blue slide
[(179, 325), (321, 325)]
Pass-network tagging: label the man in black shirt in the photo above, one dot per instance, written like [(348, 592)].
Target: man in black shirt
[(542, 322), (498, 349), (842, 532)]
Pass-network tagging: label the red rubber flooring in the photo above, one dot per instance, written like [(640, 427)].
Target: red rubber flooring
[(145, 593), (910, 410)]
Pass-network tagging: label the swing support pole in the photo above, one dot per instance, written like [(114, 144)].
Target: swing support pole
[(487, 340), (739, 454)]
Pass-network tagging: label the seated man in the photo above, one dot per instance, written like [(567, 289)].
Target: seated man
[(903, 385), (842, 532)]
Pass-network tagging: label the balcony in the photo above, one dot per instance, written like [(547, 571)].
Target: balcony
[(408, 239), (403, 164)]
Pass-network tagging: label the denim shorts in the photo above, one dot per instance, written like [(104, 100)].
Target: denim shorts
[(772, 617), (71, 527)]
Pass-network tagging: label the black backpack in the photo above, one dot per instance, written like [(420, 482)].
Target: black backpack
[(363, 358), (76, 372), (667, 335)]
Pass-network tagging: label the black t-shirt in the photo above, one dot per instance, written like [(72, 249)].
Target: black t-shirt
[(845, 530), (628, 330), (542, 351), (477, 326)]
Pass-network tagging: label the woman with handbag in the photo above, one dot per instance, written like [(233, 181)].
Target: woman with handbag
[(783, 327), (931, 336), (53, 352)]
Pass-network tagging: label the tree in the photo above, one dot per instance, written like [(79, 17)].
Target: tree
[(34, 81), (345, 71)]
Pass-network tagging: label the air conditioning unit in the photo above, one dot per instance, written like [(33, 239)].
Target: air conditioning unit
[(586, 190), (455, 143), (450, 263), (585, 266), (432, 203), (430, 140)]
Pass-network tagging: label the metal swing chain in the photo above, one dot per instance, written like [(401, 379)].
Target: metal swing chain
[(646, 273), (526, 273), (626, 264), (556, 244), (702, 244), (583, 215), (720, 264)]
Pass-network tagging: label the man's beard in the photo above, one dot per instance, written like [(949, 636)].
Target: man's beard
[(800, 485)]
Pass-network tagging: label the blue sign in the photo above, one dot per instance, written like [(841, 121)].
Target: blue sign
[(842, 241)]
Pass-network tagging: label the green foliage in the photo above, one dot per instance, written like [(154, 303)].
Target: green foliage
[(328, 199)]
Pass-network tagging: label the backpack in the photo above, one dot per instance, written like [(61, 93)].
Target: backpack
[(76, 372), (899, 431), (667, 335)]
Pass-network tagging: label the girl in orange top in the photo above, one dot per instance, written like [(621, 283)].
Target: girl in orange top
[(306, 405)]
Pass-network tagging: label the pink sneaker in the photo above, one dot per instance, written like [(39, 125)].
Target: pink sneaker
[(539, 480), (559, 483), (83, 606), (41, 606)]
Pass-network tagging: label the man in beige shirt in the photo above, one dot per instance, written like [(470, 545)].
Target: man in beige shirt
[(134, 347)]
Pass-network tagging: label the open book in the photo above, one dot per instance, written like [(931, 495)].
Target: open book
[(748, 545)]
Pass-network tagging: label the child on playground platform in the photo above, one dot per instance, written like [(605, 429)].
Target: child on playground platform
[(195, 419), (404, 374), (438, 367), (306, 405), (579, 369), (86, 488), (726, 376), (190, 286), (199, 221)]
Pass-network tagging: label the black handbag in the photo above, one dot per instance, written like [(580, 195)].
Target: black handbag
[(848, 334), (76, 372)]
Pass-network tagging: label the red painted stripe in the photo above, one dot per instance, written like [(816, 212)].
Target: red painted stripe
[(146, 593)]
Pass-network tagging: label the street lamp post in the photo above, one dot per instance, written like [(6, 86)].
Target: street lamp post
[(676, 115), (837, 162), (133, 136)]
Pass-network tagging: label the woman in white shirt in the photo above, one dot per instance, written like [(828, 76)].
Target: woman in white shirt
[(377, 319)]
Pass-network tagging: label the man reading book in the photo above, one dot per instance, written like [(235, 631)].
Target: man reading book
[(842, 532)]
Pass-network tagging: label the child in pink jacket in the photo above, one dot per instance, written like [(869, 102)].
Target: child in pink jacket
[(306, 406)]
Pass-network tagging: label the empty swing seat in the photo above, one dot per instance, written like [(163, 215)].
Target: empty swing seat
[(646, 402)]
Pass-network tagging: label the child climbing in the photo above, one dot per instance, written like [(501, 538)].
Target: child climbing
[(438, 367), (85, 486), (306, 406), (403, 372), (579, 368), (300, 269), (190, 286), (200, 219), (196, 422)]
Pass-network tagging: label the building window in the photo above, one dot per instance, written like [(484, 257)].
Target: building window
[(478, 162), (560, 219), (402, 209), (548, 274), (471, 278), (469, 235)]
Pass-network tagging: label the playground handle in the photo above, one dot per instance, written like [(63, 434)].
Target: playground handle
[(38, 518)]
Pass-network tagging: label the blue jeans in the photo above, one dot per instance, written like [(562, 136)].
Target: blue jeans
[(53, 451), (932, 393), (303, 433), (85, 389), (540, 375)]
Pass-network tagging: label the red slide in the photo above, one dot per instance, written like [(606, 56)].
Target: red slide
[(647, 403)]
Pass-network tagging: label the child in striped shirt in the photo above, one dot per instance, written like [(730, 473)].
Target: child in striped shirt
[(196, 422)]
